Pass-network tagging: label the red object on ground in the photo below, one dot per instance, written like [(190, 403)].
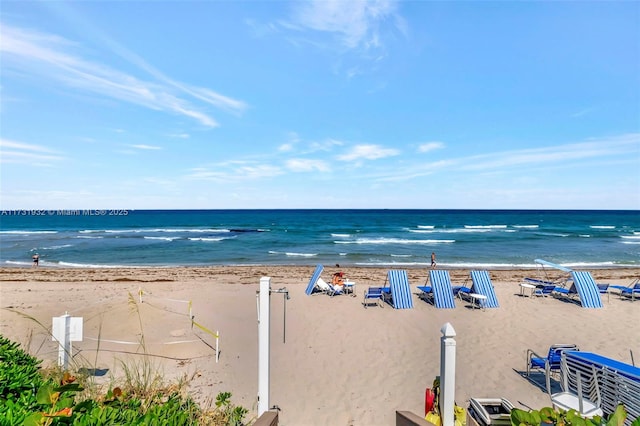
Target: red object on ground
[(429, 398)]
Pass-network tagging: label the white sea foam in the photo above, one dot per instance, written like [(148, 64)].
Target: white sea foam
[(293, 254), (584, 236), (631, 237), (465, 230), (159, 230), (86, 237), (161, 238), (393, 241), (401, 255), (341, 235), (485, 226), (28, 232), (57, 247), (95, 265), (17, 263), (551, 234), (209, 239), (426, 226), (602, 227), (526, 226)]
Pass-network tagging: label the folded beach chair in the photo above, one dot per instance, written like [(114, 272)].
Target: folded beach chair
[(440, 289), (632, 290), (482, 285), (398, 293), (587, 289), (312, 286)]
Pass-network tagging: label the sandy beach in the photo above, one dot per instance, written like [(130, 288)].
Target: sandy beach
[(341, 364)]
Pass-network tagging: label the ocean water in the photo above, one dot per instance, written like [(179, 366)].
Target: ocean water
[(391, 238)]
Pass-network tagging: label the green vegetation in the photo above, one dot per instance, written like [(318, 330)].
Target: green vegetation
[(550, 416), (32, 396)]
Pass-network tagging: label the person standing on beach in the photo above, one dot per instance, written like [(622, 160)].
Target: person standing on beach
[(433, 260), (36, 260)]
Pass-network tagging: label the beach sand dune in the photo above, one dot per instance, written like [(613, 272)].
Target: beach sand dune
[(341, 364)]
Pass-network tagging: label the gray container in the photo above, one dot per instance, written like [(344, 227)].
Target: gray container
[(491, 411)]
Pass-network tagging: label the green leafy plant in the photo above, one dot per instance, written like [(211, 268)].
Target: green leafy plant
[(559, 417), (32, 396)]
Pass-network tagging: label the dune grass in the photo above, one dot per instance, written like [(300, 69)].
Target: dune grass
[(32, 395)]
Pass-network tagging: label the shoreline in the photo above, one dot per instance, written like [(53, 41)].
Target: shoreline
[(163, 273)]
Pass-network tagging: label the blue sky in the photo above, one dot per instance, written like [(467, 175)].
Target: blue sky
[(329, 104)]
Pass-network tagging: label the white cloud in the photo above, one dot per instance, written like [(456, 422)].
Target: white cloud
[(355, 22), (180, 135), (285, 147), (368, 152), (628, 144), (307, 165), (50, 57), (558, 156), (293, 140), (326, 145), (19, 152), (145, 147), (234, 171), (430, 146)]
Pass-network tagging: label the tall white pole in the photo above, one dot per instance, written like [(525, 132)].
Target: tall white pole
[(447, 374), (263, 345), (64, 341)]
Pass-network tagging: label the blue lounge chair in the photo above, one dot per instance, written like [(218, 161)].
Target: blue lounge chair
[(632, 290), (440, 289), (329, 288), (312, 286), (373, 295), (549, 364), (398, 293), (482, 285), (604, 289), (538, 283), (548, 290)]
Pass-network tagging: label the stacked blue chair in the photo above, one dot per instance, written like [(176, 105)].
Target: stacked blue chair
[(616, 381)]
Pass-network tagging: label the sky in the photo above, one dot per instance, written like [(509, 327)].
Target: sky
[(320, 104)]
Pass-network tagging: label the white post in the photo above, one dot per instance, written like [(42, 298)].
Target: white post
[(263, 345), (217, 343), (64, 340), (447, 374)]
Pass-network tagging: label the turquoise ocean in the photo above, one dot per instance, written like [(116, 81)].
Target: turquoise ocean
[(489, 239)]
